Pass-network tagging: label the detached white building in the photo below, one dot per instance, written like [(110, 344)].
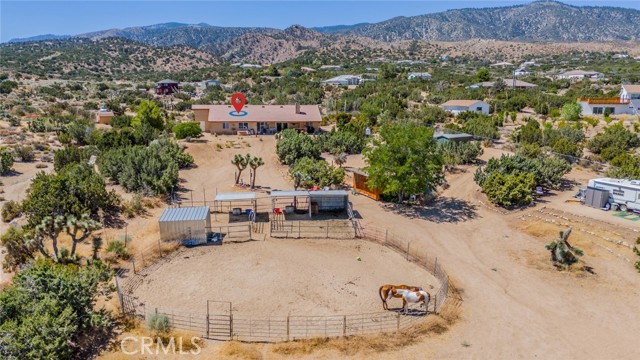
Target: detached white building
[(458, 106), (345, 80), (580, 74)]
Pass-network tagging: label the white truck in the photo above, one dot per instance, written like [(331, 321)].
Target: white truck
[(624, 194)]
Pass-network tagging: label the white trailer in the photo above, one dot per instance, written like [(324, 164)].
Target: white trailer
[(624, 194)]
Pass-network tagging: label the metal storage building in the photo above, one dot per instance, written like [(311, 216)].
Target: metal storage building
[(185, 223)]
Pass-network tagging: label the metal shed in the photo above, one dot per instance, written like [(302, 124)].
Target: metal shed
[(312, 201), (186, 223), (596, 198), (330, 200)]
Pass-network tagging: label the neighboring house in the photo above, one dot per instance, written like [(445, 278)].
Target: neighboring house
[(462, 137), (620, 56), (345, 80), (419, 75), (458, 106), (521, 72), (211, 83), (527, 63), (103, 116), (604, 106), (330, 67), (305, 69), (510, 83), (580, 74), (257, 119), (251, 66), (502, 64), (167, 87)]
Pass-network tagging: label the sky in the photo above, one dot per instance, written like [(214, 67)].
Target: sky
[(26, 18)]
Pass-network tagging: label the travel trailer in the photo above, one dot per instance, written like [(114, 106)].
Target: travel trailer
[(623, 194)]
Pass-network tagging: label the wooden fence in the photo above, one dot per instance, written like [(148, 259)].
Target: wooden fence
[(223, 324)]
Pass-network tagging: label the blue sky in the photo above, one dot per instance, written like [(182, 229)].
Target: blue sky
[(28, 18)]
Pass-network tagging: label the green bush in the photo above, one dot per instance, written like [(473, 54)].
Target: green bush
[(24, 153), (292, 146), (120, 121), (571, 111), (10, 210), (187, 130), (159, 324), (309, 172), (6, 161), (118, 249), (509, 189)]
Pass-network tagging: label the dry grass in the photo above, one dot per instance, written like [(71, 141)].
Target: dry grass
[(239, 350)]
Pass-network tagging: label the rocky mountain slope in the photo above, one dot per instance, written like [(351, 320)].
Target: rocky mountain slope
[(544, 21)]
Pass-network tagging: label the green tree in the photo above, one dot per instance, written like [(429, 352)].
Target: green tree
[(309, 172), (187, 130), (509, 189), (483, 75), (404, 160), (50, 312), (241, 163), (6, 161), (148, 112), (571, 111), (292, 146), (254, 163), (19, 250)]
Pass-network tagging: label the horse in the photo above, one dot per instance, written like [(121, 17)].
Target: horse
[(387, 292), (419, 296)]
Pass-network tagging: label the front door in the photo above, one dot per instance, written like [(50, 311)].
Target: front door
[(281, 126)]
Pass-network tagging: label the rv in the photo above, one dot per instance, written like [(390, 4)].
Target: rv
[(624, 194)]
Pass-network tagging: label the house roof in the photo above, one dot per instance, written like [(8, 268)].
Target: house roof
[(507, 82), (420, 74), (632, 89), (235, 196), (453, 136), (461, 102), (342, 78), (104, 113), (318, 193), (304, 68), (191, 213), (167, 81), (579, 72), (262, 113)]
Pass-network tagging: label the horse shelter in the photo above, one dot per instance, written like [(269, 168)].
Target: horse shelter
[(309, 203), (187, 224)]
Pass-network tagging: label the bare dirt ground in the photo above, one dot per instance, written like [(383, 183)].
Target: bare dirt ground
[(281, 277)]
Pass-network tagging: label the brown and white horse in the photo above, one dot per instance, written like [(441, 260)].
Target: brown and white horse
[(387, 292), (420, 296)]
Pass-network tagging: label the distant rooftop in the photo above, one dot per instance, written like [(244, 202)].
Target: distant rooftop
[(461, 102), (262, 113)]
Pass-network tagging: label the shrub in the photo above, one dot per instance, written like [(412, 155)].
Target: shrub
[(509, 189), (571, 111), (120, 121), (118, 249), (293, 146), (159, 324), (309, 172), (187, 129), (6, 161), (10, 210), (24, 153), (133, 207)]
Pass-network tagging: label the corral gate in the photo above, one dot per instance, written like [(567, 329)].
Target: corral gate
[(219, 320)]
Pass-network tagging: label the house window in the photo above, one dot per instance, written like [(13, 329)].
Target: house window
[(479, 108), (225, 125), (610, 110), (598, 110), (243, 126)]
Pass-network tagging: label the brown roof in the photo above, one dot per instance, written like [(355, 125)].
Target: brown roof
[(632, 89), (461, 102), (104, 113), (262, 113)]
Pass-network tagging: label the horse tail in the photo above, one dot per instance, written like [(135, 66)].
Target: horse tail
[(380, 293)]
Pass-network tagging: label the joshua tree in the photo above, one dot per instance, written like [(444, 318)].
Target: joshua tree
[(241, 162), (562, 253), (340, 159), (254, 163)]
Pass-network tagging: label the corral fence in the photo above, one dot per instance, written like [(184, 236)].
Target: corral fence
[(218, 320)]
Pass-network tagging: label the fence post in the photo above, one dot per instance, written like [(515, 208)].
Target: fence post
[(231, 321), (435, 303), (159, 248), (288, 328), (208, 326), (386, 235), (250, 237), (133, 262), (344, 325), (298, 229), (398, 319)]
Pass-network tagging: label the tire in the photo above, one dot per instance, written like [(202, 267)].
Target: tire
[(607, 206), (623, 207)]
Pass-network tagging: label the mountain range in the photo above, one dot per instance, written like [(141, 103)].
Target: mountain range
[(539, 21)]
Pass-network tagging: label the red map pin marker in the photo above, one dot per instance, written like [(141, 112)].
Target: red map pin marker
[(238, 101)]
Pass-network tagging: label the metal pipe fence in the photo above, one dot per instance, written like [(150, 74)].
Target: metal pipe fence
[(227, 325)]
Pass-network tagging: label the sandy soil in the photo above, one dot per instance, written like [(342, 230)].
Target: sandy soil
[(280, 277)]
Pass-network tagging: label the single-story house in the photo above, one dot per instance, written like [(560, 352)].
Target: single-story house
[(580, 74), (330, 67), (251, 66), (458, 106), (211, 83), (611, 106), (461, 137), (521, 72), (419, 75), (502, 64), (167, 87), (103, 116), (620, 56), (307, 69), (631, 93), (510, 83), (257, 119), (345, 80)]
